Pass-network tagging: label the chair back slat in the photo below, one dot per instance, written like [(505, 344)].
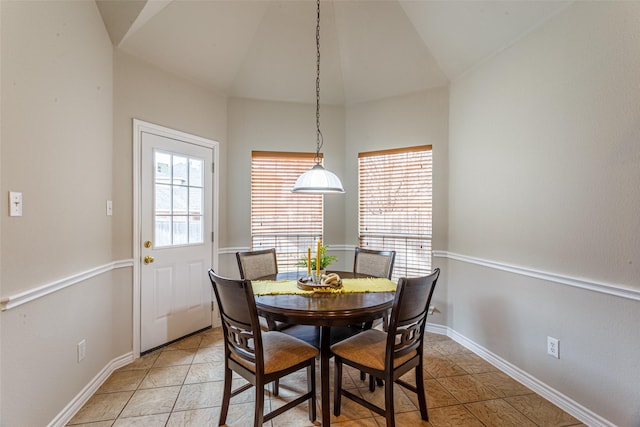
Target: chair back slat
[(409, 315), (240, 340)]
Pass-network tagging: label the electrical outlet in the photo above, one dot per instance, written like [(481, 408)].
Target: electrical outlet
[(553, 347), (109, 208), (82, 350)]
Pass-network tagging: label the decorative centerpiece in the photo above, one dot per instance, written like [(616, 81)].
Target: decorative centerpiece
[(325, 282), (317, 265)]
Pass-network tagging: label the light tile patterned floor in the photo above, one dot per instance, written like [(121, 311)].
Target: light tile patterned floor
[(181, 385)]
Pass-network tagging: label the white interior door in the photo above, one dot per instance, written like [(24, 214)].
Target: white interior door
[(176, 238)]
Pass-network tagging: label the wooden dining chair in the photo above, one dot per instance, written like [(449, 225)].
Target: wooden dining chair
[(259, 357), (391, 354), (374, 263), (255, 264)]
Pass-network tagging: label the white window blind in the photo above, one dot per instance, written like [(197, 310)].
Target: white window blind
[(395, 206), (289, 222)]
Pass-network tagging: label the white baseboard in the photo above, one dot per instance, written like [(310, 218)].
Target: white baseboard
[(74, 406), (554, 396)]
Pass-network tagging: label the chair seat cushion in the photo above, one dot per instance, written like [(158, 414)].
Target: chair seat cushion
[(280, 352), (368, 348)]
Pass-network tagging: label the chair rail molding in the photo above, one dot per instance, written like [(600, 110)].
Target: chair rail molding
[(16, 300), (621, 291)]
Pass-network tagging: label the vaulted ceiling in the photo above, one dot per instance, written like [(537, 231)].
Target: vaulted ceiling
[(370, 49)]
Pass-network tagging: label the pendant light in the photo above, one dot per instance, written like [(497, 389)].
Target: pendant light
[(318, 179)]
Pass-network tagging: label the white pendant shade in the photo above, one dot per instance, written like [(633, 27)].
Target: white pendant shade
[(318, 180)]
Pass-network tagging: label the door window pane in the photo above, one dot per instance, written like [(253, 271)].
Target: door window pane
[(180, 172), (163, 199), (180, 200), (195, 201), (162, 230), (180, 236), (195, 173), (163, 167), (195, 229)]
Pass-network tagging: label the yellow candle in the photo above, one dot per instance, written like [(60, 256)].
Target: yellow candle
[(308, 260), (318, 260)]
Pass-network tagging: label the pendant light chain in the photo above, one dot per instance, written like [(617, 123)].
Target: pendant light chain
[(318, 180), (319, 140)]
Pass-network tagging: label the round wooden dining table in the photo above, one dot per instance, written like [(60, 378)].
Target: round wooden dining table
[(324, 310)]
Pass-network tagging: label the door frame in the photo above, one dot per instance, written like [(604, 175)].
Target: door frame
[(139, 127)]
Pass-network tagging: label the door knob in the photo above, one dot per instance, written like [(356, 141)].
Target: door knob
[(148, 259), (147, 244)]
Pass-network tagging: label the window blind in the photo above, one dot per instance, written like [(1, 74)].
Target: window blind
[(289, 222), (395, 206)]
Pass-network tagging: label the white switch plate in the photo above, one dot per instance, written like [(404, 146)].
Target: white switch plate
[(109, 208), (82, 350), (15, 203)]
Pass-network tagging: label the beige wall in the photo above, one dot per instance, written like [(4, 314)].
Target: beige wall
[(59, 71), (147, 93), (56, 149), (57, 102), (281, 126), (545, 166)]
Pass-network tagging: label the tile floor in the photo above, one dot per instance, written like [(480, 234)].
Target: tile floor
[(181, 385)]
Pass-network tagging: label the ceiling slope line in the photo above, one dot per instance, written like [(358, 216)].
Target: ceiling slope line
[(150, 9)]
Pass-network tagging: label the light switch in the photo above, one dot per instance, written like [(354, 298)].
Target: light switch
[(109, 208), (15, 203)]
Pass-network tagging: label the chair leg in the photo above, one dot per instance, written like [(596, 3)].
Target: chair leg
[(422, 398), (276, 387), (373, 382), (226, 395), (259, 406), (337, 385), (363, 376), (388, 397), (311, 386)]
